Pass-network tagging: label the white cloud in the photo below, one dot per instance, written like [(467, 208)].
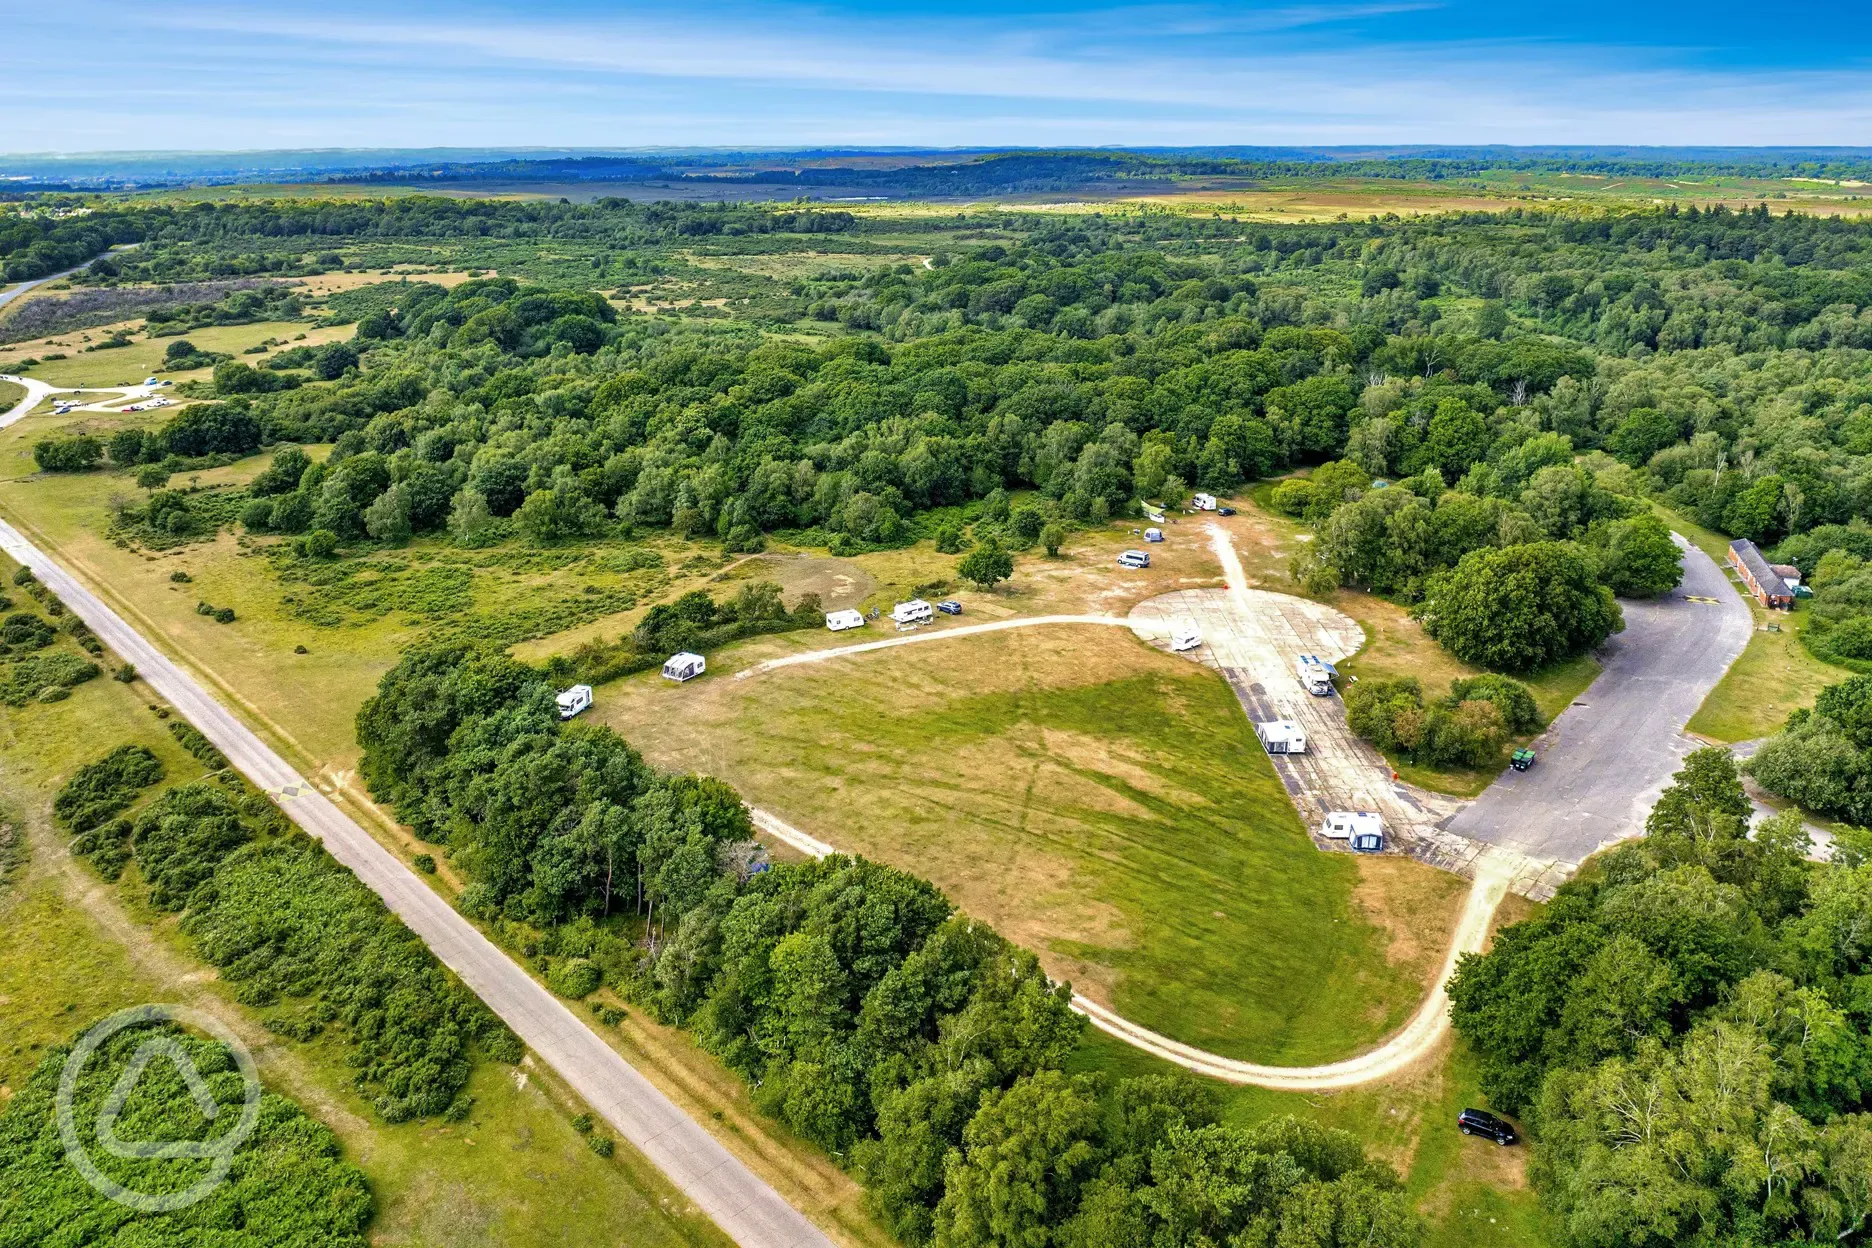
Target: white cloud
[(1188, 73)]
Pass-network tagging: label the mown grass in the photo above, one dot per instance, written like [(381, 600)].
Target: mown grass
[(77, 949), (1101, 802), (1775, 675), (1472, 1194)]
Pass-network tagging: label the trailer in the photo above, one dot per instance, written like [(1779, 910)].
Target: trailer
[(914, 612), (574, 700), (839, 621), (1204, 502), (1282, 736), (684, 667), (1349, 825), (1315, 674), (1184, 636)]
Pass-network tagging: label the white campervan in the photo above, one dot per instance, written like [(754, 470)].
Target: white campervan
[(1204, 502), (839, 621), (1282, 736), (574, 700), (1184, 636)]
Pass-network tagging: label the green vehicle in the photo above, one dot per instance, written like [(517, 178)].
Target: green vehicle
[(1521, 759)]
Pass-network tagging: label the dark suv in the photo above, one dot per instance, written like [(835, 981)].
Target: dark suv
[(1487, 1125)]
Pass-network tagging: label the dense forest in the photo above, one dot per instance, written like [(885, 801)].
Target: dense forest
[(1685, 1026), (1520, 380)]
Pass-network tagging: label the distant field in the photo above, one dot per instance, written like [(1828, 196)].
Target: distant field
[(1097, 800), (143, 357)]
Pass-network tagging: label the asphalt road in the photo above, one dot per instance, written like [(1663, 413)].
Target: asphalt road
[(1604, 761), (744, 1206)]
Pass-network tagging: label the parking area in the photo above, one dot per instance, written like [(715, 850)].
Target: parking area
[(1252, 636)]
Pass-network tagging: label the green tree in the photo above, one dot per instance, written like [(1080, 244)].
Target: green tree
[(1519, 607), (986, 566), (1052, 538), (1024, 1157), (1641, 560)]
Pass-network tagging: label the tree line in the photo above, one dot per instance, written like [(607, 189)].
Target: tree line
[(1685, 1029)]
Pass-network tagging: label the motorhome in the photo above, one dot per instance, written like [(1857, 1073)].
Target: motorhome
[(839, 621), (572, 701), (1282, 736), (1204, 502), (1315, 674), (1134, 559), (683, 667), (1184, 636)]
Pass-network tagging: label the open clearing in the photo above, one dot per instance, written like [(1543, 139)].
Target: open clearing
[(1102, 803)]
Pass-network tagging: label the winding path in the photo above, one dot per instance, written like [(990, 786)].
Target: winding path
[(739, 1202), (36, 391)]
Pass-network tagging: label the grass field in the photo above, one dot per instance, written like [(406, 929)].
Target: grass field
[(77, 949), (143, 357), (1472, 1194), (10, 393), (1096, 800), (1775, 675)]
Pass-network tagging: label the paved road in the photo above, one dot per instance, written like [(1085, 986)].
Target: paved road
[(7, 297), (1607, 757), (750, 1211)]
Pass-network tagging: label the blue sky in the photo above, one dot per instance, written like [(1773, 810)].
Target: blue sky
[(235, 74)]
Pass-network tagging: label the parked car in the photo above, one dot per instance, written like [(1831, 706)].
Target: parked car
[(1488, 1126), (1521, 759), (1134, 559), (1225, 511), (949, 606)]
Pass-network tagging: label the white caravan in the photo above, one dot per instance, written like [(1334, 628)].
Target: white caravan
[(839, 621)]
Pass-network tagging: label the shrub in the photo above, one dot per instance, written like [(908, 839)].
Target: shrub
[(37, 675), (79, 453), (574, 977), (602, 1145), (100, 790), (424, 863)]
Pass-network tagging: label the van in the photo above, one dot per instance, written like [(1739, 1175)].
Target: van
[(1183, 636), (1315, 675), (1134, 559)]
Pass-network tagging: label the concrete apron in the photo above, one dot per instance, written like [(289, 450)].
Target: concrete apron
[(1251, 637)]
